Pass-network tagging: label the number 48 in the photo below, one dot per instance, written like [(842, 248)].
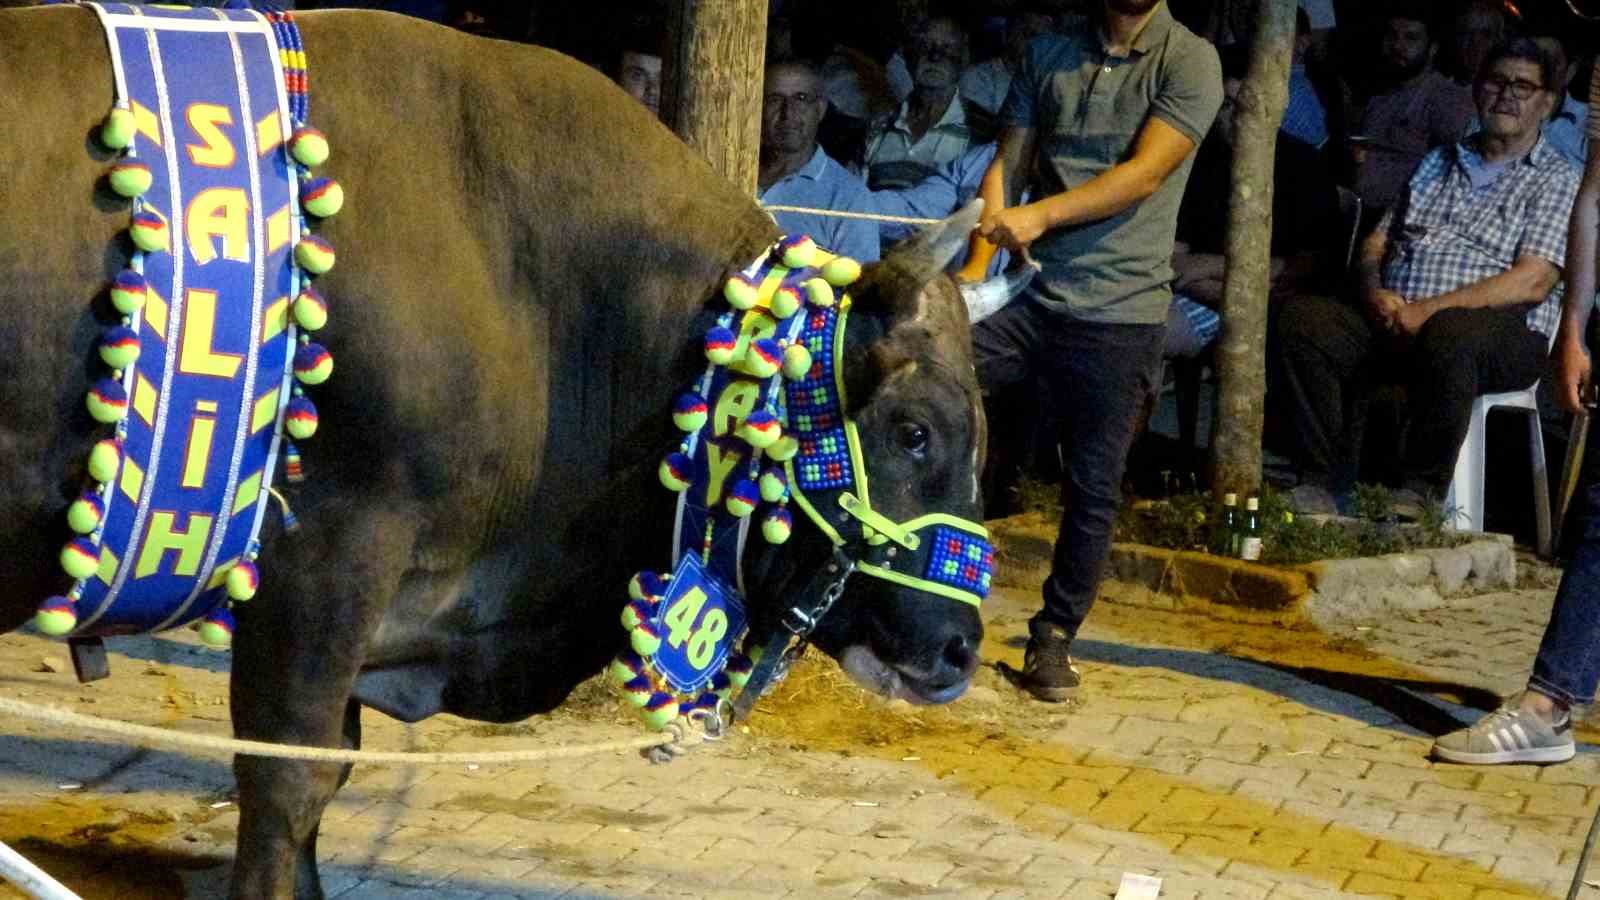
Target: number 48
[(704, 637)]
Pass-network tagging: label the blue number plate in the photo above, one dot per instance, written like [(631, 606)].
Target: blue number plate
[(699, 620)]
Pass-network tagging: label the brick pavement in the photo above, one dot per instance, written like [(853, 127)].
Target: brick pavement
[(1230, 758)]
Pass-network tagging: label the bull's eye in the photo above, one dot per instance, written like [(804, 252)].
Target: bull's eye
[(913, 437)]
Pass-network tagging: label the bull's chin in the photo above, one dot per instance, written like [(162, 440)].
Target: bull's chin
[(866, 669)]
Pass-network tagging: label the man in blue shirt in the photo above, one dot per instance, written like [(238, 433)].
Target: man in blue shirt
[(795, 172)]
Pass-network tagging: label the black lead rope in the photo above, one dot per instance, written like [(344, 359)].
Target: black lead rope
[(797, 624)]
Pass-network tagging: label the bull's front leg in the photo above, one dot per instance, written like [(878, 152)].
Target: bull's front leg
[(299, 646)]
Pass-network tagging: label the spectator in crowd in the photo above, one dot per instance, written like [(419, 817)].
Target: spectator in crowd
[(1305, 117), (1459, 293), (1101, 123), (639, 72), (1305, 222), (1421, 109), (1567, 129), (794, 171), (1478, 26), (1536, 727), (933, 125), (987, 83)]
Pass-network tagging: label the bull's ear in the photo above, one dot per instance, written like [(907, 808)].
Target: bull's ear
[(926, 255)]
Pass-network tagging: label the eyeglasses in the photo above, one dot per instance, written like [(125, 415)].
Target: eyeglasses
[(1518, 89)]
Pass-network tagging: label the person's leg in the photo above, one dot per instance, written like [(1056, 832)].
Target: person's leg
[(1459, 355), (1537, 727), (1101, 374), (1567, 668), (1325, 349)]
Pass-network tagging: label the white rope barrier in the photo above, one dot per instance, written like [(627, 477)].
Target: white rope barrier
[(679, 733), (844, 214)]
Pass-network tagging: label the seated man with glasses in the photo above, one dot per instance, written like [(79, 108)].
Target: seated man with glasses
[(794, 170), (1459, 293)]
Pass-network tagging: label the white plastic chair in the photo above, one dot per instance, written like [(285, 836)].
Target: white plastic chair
[(1463, 503)]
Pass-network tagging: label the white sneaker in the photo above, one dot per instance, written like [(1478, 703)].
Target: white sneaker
[(1509, 735)]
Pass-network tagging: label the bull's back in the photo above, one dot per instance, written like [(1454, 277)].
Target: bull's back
[(519, 254)]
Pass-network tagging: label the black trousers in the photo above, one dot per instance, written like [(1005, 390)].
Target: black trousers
[(1099, 376), (1330, 358)]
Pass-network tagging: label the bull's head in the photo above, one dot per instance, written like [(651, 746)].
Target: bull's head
[(912, 393)]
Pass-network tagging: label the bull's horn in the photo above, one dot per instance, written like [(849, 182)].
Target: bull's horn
[(929, 252), (988, 297)]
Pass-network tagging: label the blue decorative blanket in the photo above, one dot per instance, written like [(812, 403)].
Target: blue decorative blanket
[(202, 384)]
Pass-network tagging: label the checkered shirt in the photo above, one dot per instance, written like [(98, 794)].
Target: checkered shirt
[(1444, 234)]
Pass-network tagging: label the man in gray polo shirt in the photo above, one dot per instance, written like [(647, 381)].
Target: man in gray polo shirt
[(1101, 124)]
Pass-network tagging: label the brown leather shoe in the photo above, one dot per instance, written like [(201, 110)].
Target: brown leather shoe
[(1047, 669)]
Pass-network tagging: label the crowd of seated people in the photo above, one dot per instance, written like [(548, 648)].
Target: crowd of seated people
[(899, 118)]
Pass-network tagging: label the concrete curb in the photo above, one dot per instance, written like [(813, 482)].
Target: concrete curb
[(1176, 579)]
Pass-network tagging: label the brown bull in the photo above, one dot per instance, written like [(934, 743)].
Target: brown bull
[(522, 266)]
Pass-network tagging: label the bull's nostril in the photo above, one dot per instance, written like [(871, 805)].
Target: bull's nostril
[(958, 655)]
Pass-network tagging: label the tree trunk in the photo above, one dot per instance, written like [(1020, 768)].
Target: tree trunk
[(1241, 353), (711, 82)]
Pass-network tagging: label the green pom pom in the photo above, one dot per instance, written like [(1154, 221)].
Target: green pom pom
[(243, 580), (85, 513), (658, 713), (796, 362), (104, 460), (55, 622), (644, 640), (80, 559), (118, 129), (841, 270), (309, 147), (741, 292), (130, 179), (322, 198), (314, 255), (216, 635), (310, 312), (620, 672), (774, 486)]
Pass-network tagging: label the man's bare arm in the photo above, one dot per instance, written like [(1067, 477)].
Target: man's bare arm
[(1529, 280), (1000, 188)]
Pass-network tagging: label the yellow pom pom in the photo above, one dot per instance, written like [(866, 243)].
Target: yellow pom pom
[(104, 460), (741, 292), (841, 270), (117, 132), (818, 291), (56, 617), (130, 178), (796, 362), (784, 449)]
